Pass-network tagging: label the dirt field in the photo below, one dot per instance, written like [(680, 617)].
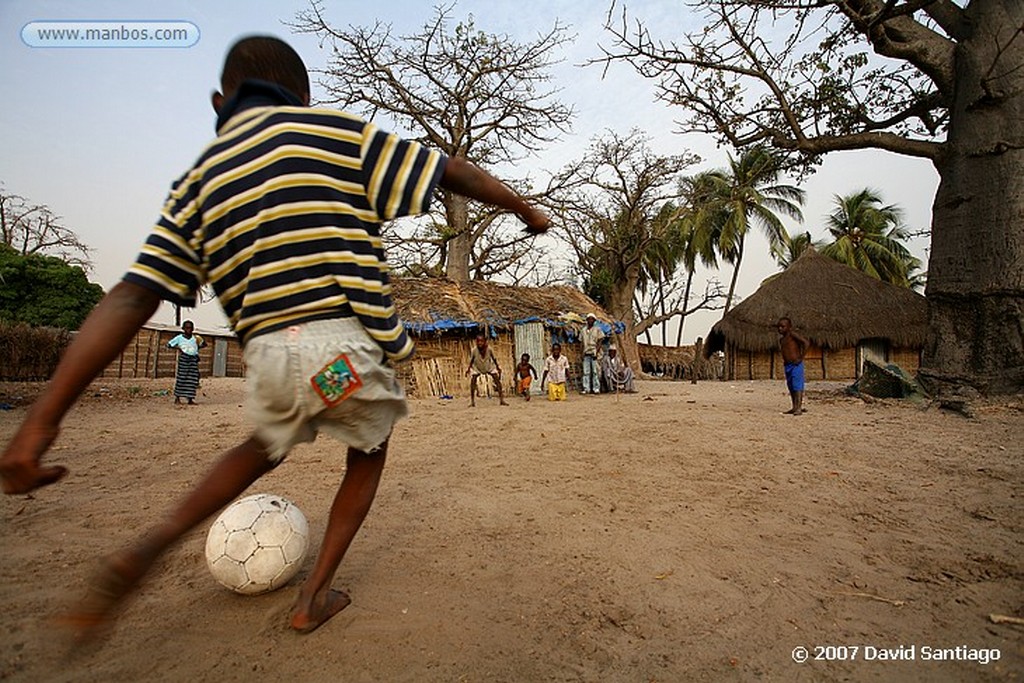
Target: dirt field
[(686, 533)]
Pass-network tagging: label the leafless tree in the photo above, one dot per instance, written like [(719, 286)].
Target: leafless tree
[(483, 97), (34, 229)]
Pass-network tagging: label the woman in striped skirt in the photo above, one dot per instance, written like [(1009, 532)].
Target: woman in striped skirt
[(186, 380)]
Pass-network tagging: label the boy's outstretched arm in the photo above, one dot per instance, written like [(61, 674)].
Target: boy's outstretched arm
[(465, 178), (104, 334)]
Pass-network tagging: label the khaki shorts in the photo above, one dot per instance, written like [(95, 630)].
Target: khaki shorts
[(287, 408)]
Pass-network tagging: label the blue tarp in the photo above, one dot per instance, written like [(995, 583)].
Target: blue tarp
[(446, 324)]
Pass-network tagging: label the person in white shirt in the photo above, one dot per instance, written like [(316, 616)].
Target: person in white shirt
[(591, 336), (556, 373)]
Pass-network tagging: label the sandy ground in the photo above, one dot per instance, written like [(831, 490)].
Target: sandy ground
[(685, 533)]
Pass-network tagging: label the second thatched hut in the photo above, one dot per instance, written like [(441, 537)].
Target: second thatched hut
[(849, 317), (444, 317)]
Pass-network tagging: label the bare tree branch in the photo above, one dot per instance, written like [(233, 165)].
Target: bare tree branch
[(35, 229), (713, 299), (817, 91), (484, 97)]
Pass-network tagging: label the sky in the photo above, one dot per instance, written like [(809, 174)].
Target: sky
[(98, 134)]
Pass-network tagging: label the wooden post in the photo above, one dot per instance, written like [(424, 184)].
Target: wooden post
[(156, 356), (149, 352), (698, 351)]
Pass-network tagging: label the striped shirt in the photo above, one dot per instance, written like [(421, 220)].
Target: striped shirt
[(281, 216)]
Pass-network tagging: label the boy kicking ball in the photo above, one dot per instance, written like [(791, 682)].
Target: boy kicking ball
[(281, 215)]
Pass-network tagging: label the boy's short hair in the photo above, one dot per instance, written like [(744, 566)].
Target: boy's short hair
[(268, 59)]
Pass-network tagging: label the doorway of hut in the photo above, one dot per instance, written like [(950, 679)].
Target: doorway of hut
[(532, 339), (876, 350)]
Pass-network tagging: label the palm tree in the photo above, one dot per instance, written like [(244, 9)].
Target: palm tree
[(745, 194), (793, 247), (662, 257), (869, 237), (696, 234)]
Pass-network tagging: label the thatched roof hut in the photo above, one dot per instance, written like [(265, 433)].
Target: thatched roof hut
[(444, 316), (440, 304), (836, 307)]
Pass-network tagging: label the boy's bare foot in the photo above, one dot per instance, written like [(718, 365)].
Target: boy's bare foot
[(310, 616), (116, 580), (18, 478), (503, 402), (20, 471)]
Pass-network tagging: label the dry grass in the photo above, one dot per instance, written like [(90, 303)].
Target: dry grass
[(30, 353)]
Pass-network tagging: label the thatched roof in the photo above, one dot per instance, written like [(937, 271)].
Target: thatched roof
[(437, 304), (831, 304)]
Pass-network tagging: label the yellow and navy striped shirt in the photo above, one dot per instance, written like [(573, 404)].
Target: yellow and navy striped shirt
[(281, 216)]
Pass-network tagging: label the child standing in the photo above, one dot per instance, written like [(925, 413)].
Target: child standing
[(482, 362), (281, 215), (793, 347), (556, 367), (186, 378), (525, 374)]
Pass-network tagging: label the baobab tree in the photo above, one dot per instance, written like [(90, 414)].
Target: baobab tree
[(932, 79)]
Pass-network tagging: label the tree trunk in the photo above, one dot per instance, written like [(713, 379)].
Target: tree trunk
[(975, 284), (664, 323), (735, 276), (698, 352), (620, 306), (686, 303), (456, 210)]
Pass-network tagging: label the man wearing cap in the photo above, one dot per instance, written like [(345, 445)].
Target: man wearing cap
[(617, 374), (591, 337)]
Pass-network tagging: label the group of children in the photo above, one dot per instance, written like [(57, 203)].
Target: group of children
[(482, 363), (556, 367)]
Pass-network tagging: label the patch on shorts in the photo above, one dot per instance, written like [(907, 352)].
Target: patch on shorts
[(336, 381)]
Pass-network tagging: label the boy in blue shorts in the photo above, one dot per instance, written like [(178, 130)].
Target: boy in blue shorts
[(281, 215), (794, 346)]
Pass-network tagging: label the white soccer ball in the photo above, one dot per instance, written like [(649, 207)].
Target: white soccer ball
[(257, 544)]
